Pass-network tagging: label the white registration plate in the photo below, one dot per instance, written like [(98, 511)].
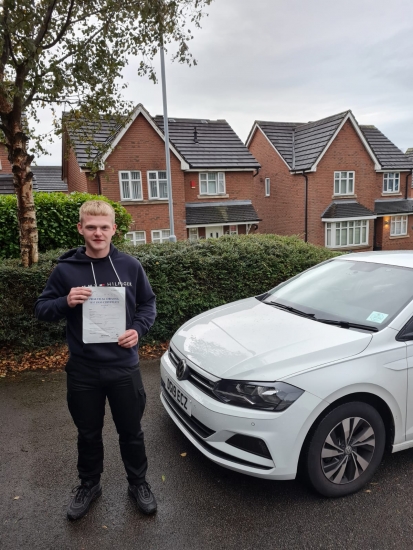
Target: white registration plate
[(178, 395)]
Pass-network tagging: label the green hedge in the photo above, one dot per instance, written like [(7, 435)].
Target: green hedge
[(57, 215), (188, 278)]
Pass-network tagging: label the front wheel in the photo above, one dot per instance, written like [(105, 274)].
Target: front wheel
[(345, 449)]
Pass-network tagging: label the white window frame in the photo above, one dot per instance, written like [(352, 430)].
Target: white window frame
[(162, 237), (130, 185), (398, 226), (339, 178), (219, 182), (156, 180), (267, 187), (347, 229), (394, 176), (135, 240), (193, 234)]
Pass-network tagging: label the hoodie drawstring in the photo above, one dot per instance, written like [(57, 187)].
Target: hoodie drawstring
[(113, 267)]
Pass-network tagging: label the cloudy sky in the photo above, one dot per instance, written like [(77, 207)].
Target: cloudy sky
[(291, 60)]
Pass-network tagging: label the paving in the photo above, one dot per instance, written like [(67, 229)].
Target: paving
[(200, 504)]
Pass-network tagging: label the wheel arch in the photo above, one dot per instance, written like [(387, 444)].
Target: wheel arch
[(364, 397)]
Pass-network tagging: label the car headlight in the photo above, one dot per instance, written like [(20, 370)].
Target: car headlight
[(269, 396)]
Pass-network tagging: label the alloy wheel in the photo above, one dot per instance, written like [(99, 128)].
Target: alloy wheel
[(348, 450)]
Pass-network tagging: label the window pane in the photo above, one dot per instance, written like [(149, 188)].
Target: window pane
[(125, 190), (357, 234), (152, 175), (165, 234), (221, 182), (343, 187), (328, 239), (124, 175), (135, 176), (136, 190), (364, 233), (154, 189), (338, 241), (163, 189), (343, 234)]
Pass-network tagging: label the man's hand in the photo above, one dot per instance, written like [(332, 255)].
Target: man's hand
[(128, 339), (78, 295)]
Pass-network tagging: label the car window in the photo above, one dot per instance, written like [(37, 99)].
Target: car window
[(358, 292)]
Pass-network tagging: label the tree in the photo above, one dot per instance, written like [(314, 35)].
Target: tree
[(71, 53)]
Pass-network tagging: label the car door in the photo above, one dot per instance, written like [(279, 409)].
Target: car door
[(406, 335)]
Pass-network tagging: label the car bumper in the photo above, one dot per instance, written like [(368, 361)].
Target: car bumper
[(212, 423)]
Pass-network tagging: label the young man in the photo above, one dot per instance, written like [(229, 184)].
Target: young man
[(96, 371)]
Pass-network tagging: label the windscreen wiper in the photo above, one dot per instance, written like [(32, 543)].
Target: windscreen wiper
[(347, 324), (292, 309)]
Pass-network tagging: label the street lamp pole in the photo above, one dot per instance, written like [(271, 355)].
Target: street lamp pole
[(172, 236)]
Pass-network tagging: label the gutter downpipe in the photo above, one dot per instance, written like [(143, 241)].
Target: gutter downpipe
[(407, 181), (306, 208)]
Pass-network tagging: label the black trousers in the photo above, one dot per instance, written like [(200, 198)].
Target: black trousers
[(87, 390)]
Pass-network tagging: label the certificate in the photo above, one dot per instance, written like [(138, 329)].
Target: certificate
[(104, 315)]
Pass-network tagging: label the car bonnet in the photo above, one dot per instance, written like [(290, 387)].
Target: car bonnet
[(249, 340)]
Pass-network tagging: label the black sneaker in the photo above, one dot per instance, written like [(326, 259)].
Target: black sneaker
[(144, 497), (83, 496)]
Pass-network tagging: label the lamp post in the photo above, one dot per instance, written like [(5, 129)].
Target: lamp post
[(172, 236)]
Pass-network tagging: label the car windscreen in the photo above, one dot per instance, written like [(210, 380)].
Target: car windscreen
[(352, 291)]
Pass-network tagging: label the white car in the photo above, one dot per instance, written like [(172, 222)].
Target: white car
[(312, 376)]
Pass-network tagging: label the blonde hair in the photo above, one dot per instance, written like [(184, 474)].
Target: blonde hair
[(96, 208)]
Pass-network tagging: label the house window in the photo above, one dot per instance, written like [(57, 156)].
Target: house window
[(344, 183), (212, 183), (233, 229), (136, 237), (398, 226), (158, 185), (351, 233), (160, 235), (193, 234), (267, 187), (391, 182), (130, 186)]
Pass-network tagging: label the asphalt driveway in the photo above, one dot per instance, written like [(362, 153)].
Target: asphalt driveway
[(200, 504)]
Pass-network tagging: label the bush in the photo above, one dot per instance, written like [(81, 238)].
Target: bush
[(57, 215), (188, 278)]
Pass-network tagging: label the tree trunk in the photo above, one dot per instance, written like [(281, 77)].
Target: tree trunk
[(23, 183)]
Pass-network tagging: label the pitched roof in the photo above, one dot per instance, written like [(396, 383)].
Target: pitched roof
[(301, 145), (49, 178), (103, 131), (346, 209), (214, 144), (397, 206), (220, 213), (7, 187), (409, 153), (387, 153), (208, 143)]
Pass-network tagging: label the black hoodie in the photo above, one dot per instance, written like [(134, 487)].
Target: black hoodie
[(75, 269)]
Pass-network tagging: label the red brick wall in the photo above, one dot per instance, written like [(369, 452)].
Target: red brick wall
[(404, 242), (5, 164), (76, 180), (283, 211), (238, 186), (141, 148)]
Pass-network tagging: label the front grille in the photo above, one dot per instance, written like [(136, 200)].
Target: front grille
[(183, 418), (198, 380), (190, 421)]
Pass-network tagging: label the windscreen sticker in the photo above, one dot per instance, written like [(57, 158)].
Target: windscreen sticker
[(377, 317)]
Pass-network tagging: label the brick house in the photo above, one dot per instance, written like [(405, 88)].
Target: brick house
[(212, 176), (333, 182)]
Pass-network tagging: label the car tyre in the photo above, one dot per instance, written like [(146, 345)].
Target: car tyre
[(345, 449)]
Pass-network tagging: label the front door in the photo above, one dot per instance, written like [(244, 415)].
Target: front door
[(214, 231)]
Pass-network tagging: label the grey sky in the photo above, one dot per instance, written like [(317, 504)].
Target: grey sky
[(291, 60)]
